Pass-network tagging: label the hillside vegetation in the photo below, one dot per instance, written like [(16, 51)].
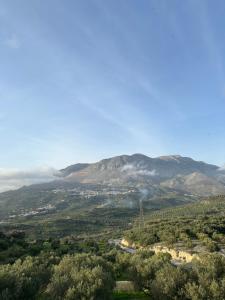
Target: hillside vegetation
[(119, 181), (201, 223), (56, 269)]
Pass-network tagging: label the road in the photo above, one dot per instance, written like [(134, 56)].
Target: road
[(117, 242)]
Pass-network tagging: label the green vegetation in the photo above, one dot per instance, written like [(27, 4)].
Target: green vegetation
[(81, 276), (59, 209), (14, 245), (202, 223), (154, 274), (86, 276), (129, 296), (84, 268), (96, 222)]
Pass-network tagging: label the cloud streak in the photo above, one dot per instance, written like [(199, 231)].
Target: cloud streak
[(134, 171), (11, 179)]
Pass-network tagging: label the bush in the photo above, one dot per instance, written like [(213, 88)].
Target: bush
[(81, 277), (23, 279)]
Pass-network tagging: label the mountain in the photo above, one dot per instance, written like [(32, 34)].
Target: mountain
[(175, 172), (74, 168), (195, 183), (111, 185)]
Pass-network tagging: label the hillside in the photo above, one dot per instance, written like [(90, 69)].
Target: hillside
[(175, 172), (92, 266), (201, 223), (112, 188), (195, 183), (137, 167)]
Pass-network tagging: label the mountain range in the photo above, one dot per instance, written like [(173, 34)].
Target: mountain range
[(175, 172), (117, 182)]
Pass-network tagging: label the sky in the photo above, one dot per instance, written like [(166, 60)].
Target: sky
[(85, 80)]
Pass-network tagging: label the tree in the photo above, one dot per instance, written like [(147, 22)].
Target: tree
[(168, 283), (81, 277), (23, 279), (143, 267), (208, 278)]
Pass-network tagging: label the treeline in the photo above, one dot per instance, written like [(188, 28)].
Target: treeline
[(203, 222), (206, 206), (93, 277), (78, 276), (66, 268), (14, 245), (208, 231)]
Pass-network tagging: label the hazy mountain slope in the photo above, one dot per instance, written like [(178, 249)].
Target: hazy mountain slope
[(195, 183), (139, 169), (73, 168), (118, 182)]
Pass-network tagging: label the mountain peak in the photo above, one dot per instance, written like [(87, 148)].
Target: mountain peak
[(139, 155)]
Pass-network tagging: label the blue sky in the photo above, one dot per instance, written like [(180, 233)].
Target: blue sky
[(84, 80)]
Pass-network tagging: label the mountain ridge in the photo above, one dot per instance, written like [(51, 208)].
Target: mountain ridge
[(139, 168), (137, 156), (116, 183)]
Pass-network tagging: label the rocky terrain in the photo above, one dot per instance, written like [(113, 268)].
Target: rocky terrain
[(175, 172)]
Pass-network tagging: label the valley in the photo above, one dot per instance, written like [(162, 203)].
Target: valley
[(96, 195), (138, 218), (182, 245)]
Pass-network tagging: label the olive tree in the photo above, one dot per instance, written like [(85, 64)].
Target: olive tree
[(81, 277)]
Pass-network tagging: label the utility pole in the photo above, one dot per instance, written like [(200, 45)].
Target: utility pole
[(141, 216)]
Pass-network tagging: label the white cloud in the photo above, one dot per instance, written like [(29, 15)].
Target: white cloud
[(14, 178), (147, 172), (12, 42), (132, 170), (127, 168)]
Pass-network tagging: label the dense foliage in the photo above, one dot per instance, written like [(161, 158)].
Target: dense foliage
[(203, 222), (25, 278), (203, 279), (81, 276), (87, 269), (88, 276), (14, 245)]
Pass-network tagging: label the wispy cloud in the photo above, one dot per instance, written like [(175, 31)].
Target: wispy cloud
[(132, 170), (15, 178)]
